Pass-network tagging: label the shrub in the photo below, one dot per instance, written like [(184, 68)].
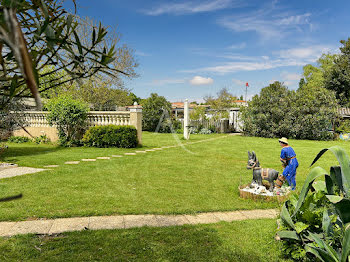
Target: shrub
[(111, 136), (43, 139), (205, 131), (153, 108), (69, 116), (19, 139), (315, 225), (308, 113)]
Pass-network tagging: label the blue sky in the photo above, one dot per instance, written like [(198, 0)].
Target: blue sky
[(190, 49)]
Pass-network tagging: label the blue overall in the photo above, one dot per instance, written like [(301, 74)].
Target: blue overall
[(292, 164)]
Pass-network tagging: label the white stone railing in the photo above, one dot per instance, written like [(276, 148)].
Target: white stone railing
[(101, 118), (95, 118)]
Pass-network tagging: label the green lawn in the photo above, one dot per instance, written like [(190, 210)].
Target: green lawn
[(162, 182), (237, 241)]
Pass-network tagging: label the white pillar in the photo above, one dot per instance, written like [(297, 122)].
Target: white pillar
[(186, 118)]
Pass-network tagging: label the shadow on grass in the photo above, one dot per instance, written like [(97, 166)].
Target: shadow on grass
[(29, 150), (140, 244)]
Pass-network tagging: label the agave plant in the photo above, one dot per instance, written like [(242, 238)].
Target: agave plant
[(328, 237)]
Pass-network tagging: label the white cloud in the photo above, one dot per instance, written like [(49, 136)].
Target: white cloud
[(269, 22), (283, 58), (290, 77), (309, 53), (238, 46), (190, 7), (198, 80)]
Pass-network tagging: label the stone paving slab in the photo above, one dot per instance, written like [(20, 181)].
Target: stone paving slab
[(103, 157), (256, 214), (106, 222), (36, 227), (88, 160), (61, 225), (51, 166), (19, 171), (56, 226), (72, 162), (5, 228), (117, 156), (150, 150), (130, 154), (140, 221), (165, 221), (140, 151)]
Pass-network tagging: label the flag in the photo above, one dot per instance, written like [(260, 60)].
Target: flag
[(246, 84)]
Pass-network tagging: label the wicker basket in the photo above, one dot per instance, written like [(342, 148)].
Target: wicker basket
[(250, 195)]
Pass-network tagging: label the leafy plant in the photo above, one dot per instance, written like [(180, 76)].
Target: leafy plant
[(111, 136), (69, 116), (205, 131), (19, 139), (43, 139), (317, 223), (154, 110)]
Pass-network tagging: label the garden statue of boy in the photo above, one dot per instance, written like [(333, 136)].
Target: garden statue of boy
[(290, 162)]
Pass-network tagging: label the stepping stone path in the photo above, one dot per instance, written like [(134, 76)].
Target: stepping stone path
[(103, 157), (72, 162), (60, 225), (88, 160)]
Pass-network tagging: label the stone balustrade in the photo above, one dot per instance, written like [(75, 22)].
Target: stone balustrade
[(36, 123)]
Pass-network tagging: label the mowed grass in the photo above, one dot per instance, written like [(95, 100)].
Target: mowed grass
[(251, 240), (201, 177)]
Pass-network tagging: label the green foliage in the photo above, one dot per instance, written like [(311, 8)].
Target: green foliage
[(19, 139), (111, 136), (154, 110), (314, 76), (69, 116), (316, 222), (169, 125), (198, 113), (43, 139), (343, 127), (223, 100), (308, 113), (52, 39), (338, 78)]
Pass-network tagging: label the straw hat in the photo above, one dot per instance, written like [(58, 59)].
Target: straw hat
[(283, 140)]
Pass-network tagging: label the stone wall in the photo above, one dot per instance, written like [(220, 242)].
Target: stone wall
[(37, 125)]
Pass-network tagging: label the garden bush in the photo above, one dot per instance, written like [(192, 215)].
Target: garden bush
[(19, 139), (308, 113), (154, 109), (43, 139), (111, 136), (69, 116), (316, 225)]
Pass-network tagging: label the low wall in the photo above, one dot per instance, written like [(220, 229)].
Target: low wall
[(37, 125)]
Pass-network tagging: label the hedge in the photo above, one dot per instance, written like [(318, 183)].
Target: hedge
[(111, 136)]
